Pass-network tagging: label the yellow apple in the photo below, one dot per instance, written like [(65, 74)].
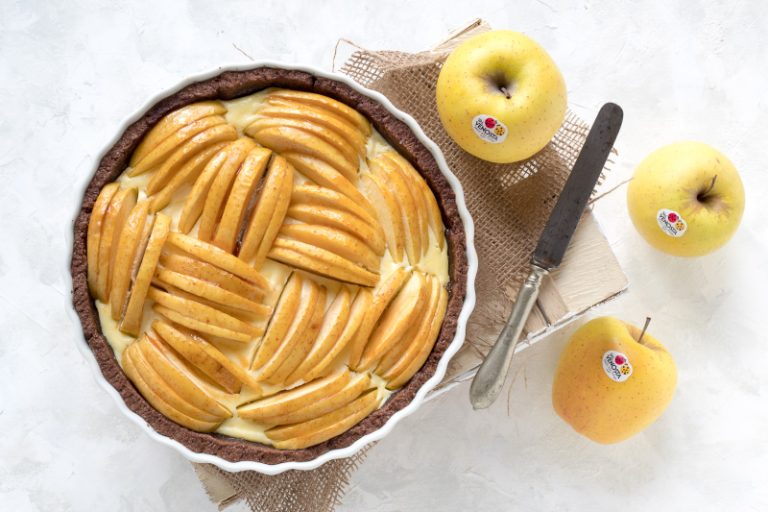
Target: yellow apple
[(611, 383), (686, 199), (500, 96)]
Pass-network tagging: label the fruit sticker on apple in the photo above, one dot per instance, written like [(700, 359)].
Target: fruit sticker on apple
[(671, 222), (489, 129)]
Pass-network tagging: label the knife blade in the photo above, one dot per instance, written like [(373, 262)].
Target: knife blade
[(550, 250)]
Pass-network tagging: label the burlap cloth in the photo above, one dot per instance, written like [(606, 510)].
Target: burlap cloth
[(509, 204)]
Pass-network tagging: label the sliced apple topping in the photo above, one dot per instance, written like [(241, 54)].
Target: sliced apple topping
[(383, 294), (388, 213), (268, 215), (95, 227), (324, 102), (132, 317), (164, 380), (119, 209), (412, 350), (327, 426), (131, 239)]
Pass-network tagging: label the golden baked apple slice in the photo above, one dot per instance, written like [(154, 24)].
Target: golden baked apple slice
[(295, 400), (207, 319), (319, 261), (388, 212), (284, 314), (95, 227), (222, 183), (132, 316), (160, 153), (315, 431), (328, 334), (413, 215), (306, 193), (382, 296), (325, 175), (162, 397), (402, 312), (201, 326), (120, 207), (172, 123), (324, 404), (418, 349), (286, 139), (201, 354), (195, 200), (186, 174), (268, 215), (276, 108), (339, 219), (335, 241), (218, 258), (360, 307), (239, 196), (318, 100), (202, 270), (328, 136), (127, 246), (281, 348)]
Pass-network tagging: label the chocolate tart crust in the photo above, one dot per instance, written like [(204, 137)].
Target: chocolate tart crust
[(229, 85)]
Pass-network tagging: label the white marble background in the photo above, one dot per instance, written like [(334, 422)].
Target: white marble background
[(70, 71)]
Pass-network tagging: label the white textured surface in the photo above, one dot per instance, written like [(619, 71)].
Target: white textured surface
[(68, 74)]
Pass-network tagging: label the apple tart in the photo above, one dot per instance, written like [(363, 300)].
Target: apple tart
[(268, 265)]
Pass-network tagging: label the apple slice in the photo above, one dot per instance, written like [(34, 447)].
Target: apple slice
[(312, 432), (329, 332), (307, 193), (328, 136), (284, 109), (339, 219), (173, 371), (132, 316), (382, 296), (325, 404), (388, 211), (429, 211), (285, 312), (193, 204), (335, 241), (187, 173), (201, 354), (296, 399), (207, 272), (412, 207), (203, 313), (95, 226), (127, 246), (287, 139), (222, 183), (319, 261), (324, 174), (211, 292), (239, 196), (172, 123), (402, 312), (419, 348), (360, 307), (218, 258), (294, 357), (318, 100), (311, 293), (201, 326), (120, 207), (161, 402), (269, 212), (160, 153)]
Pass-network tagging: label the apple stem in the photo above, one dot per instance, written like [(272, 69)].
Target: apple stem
[(703, 195), (645, 327), (505, 91)]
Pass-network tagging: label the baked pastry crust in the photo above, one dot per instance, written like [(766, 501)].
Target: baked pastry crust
[(230, 85)]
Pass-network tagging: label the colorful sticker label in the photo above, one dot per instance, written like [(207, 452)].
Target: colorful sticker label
[(489, 129), (671, 222), (616, 366)]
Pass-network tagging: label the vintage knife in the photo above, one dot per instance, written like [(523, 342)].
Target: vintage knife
[(549, 252)]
